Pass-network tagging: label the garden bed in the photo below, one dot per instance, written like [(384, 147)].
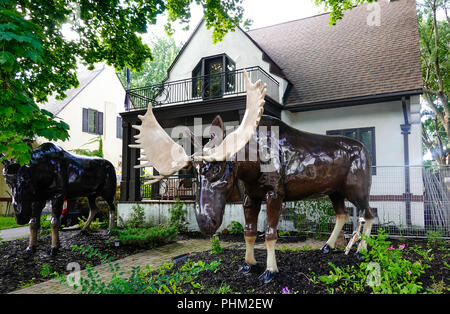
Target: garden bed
[(18, 269), (299, 269)]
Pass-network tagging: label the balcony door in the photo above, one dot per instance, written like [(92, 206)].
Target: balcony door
[(213, 78)]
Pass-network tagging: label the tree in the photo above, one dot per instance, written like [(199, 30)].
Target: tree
[(164, 51), (36, 60), (434, 48)]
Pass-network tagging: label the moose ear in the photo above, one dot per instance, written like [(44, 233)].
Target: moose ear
[(217, 130)]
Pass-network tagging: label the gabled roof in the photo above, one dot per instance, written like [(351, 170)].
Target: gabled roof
[(350, 60), (274, 68), (85, 77)]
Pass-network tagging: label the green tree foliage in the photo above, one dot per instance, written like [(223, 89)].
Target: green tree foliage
[(337, 7), (164, 51), (434, 49), (36, 60)]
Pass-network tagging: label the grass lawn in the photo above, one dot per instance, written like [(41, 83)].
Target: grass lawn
[(8, 222)]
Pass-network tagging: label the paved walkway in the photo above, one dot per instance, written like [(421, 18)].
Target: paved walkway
[(14, 233), (154, 258)]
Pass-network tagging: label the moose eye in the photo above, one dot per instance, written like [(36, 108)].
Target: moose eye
[(215, 169)]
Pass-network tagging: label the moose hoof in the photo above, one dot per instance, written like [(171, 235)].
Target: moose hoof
[(53, 251), (326, 249), (267, 276), (30, 250), (245, 269), (359, 256)]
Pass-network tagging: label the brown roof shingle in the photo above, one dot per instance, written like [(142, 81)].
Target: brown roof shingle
[(351, 59)]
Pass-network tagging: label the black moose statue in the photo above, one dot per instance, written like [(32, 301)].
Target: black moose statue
[(55, 175)]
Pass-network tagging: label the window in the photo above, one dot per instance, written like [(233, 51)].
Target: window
[(119, 127), (213, 76), (365, 136), (92, 121)]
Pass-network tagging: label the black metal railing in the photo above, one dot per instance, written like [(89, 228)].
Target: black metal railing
[(199, 88), (170, 189)]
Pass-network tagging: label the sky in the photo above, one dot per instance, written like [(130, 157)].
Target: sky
[(262, 12)]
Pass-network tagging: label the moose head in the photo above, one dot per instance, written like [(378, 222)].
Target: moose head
[(18, 179), (214, 167)]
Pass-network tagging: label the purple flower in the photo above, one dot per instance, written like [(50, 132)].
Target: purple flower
[(286, 290)]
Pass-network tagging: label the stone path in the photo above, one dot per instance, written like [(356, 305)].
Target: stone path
[(14, 233), (154, 258)]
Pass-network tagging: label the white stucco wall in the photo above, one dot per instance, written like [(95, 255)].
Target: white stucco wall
[(158, 213), (235, 44), (105, 94)]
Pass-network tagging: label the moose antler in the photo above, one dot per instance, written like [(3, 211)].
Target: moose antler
[(237, 139), (152, 138)]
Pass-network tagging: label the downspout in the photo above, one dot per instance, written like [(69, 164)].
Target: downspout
[(406, 130)]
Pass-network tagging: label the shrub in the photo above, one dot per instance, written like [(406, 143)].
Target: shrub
[(235, 227), (216, 248), (384, 270), (137, 218), (316, 213), (178, 215), (95, 224), (147, 237)]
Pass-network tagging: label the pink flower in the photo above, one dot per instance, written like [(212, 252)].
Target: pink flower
[(402, 246), (409, 272), (391, 247)]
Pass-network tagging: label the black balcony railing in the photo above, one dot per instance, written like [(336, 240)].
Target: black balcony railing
[(170, 188), (200, 88)]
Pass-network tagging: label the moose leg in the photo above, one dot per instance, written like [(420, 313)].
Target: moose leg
[(55, 224), (368, 217), (251, 211), (93, 209), (35, 224), (112, 214), (274, 203), (341, 218)]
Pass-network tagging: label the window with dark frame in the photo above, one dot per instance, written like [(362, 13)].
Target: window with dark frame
[(92, 121), (213, 76), (119, 127), (365, 136)]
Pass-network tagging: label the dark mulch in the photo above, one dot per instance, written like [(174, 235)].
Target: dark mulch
[(297, 270), (18, 269)]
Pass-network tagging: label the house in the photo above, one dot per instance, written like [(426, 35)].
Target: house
[(356, 79), (92, 112)]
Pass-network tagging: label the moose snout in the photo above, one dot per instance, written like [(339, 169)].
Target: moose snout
[(207, 225)]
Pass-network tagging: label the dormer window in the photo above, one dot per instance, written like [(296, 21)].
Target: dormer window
[(213, 77)]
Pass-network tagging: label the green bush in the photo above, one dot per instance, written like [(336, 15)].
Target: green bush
[(383, 271), (312, 215), (216, 248), (235, 227), (178, 215), (147, 237), (95, 224)]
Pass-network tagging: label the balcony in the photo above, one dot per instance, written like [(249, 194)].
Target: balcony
[(200, 88)]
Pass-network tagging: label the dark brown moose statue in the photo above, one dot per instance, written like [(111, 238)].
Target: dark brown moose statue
[(285, 165), (57, 175)]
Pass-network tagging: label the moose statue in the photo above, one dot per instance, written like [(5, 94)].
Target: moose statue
[(57, 175), (302, 165)]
